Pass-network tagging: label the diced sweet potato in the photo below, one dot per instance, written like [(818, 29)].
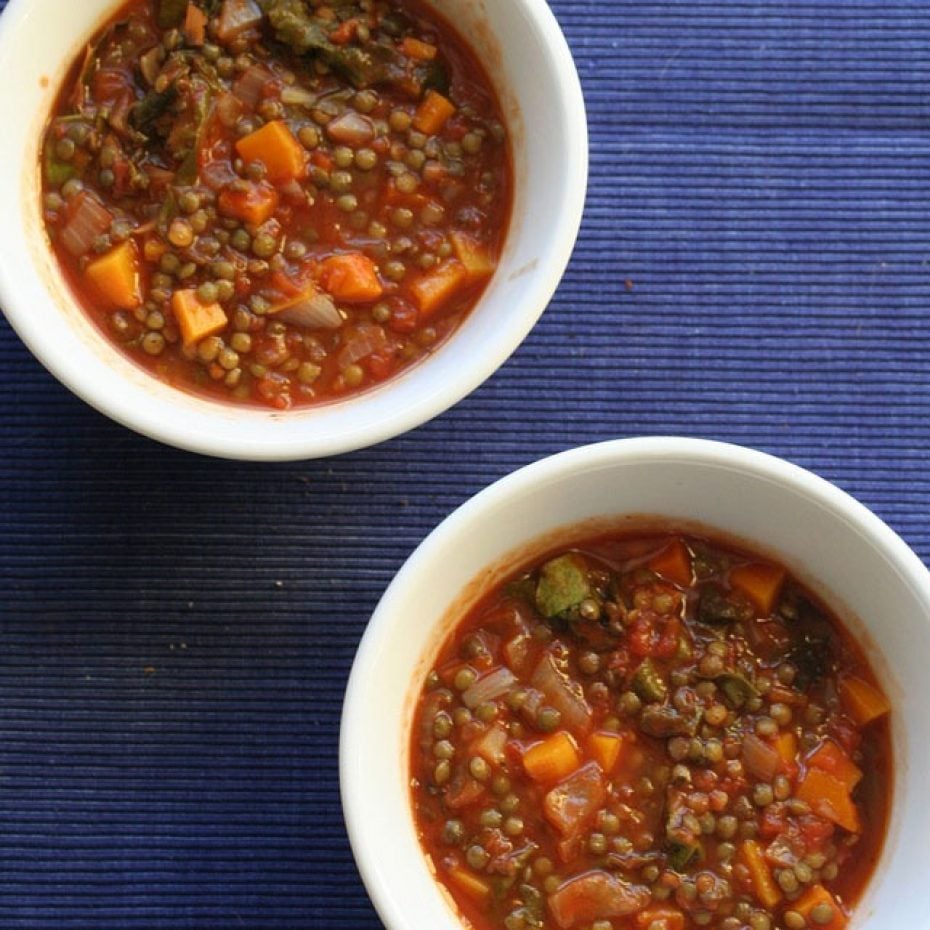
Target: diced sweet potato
[(830, 798), (553, 758), (351, 278), (605, 748), (767, 893), (474, 256), (436, 287), (760, 582), (864, 702), (275, 146), (433, 112), (115, 276), (673, 563), (816, 896), (196, 320), (831, 758), (474, 886), (254, 203)]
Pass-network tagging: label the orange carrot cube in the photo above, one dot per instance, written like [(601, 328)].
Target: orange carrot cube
[(115, 276), (438, 286), (763, 884), (604, 747), (864, 702), (831, 758), (351, 278), (830, 798), (196, 320), (760, 582), (552, 759), (673, 563), (818, 895), (432, 113), (474, 256), (275, 146), (474, 886), (418, 50), (253, 204)]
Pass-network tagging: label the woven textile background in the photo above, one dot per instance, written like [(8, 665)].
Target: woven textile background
[(176, 632)]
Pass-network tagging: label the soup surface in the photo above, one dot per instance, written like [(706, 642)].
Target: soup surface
[(277, 201), (651, 733)]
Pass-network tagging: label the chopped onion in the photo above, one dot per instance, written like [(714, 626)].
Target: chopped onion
[(595, 895), (351, 129), (228, 109), (314, 312), (759, 757), (491, 744), (218, 174), (89, 220), (150, 63), (298, 96), (236, 17), (489, 687), (366, 339), (250, 85), (516, 651), (565, 695)]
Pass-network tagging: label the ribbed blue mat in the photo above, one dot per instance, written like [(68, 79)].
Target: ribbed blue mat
[(175, 632)]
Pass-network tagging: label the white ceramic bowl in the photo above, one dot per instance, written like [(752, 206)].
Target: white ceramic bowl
[(866, 572), (544, 109)]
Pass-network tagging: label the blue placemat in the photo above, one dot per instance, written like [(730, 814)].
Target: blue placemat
[(175, 632)]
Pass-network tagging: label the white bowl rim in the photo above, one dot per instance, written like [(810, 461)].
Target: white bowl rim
[(223, 439), (354, 782)]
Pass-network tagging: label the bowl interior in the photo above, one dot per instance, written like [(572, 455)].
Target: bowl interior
[(873, 581), (541, 96)]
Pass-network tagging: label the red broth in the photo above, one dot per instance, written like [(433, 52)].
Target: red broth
[(651, 733), (276, 207)]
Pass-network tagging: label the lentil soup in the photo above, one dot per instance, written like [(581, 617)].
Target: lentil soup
[(277, 202), (651, 732)]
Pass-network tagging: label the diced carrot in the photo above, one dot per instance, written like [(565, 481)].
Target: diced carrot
[(254, 203), (195, 319), (671, 918), (417, 50), (351, 278), (604, 747), (476, 888), (829, 798), (322, 159), (474, 256), (115, 276), (786, 744), (763, 884), (831, 758), (760, 582), (432, 113), (864, 702), (814, 896), (345, 32), (436, 287), (673, 563), (195, 25), (552, 759), (275, 146)]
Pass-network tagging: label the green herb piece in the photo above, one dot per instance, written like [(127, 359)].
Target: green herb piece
[(647, 683), (563, 584)]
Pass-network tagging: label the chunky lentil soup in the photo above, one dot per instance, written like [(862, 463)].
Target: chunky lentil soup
[(651, 733), (277, 201)]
